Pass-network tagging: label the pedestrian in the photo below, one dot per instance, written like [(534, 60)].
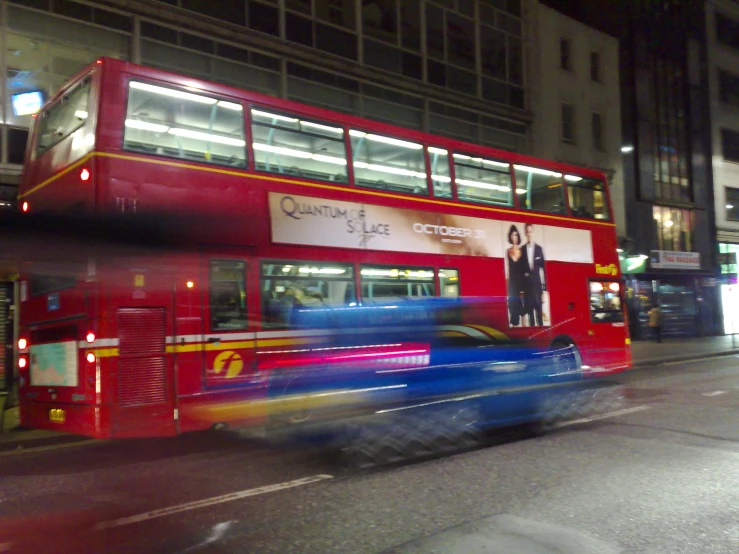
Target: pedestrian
[(655, 322)]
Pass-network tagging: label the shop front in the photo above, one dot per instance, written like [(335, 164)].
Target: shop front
[(687, 296)]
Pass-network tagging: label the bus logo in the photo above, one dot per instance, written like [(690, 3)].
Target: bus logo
[(610, 269), (229, 361)]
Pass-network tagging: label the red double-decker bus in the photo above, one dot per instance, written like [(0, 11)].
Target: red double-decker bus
[(288, 204)]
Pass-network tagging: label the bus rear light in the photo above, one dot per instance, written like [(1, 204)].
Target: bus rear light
[(90, 358), (22, 344), (190, 284), (85, 174), (22, 362), (24, 207), (90, 337)]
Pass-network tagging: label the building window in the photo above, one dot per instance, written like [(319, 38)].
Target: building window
[(564, 54), (730, 145), (595, 66), (596, 126), (568, 123), (380, 20), (673, 229), (727, 31), (728, 88), (732, 203), (227, 295)]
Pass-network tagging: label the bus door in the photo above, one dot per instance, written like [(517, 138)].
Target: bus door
[(606, 346), (143, 392), (229, 345)]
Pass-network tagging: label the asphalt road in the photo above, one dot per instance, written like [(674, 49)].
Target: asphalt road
[(661, 477)]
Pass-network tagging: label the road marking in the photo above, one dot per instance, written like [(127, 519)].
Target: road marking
[(210, 502), (715, 393), (31, 450), (603, 416)]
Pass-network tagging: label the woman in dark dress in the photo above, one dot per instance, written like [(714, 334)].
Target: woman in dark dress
[(516, 272)]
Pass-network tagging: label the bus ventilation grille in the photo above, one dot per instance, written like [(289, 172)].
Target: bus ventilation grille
[(142, 364)]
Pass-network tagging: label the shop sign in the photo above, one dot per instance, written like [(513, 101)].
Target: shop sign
[(633, 264), (665, 259)]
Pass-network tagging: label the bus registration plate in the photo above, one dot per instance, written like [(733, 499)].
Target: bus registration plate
[(57, 415)]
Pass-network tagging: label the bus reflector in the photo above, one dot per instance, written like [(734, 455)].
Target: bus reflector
[(22, 344), (85, 174), (24, 206), (90, 358), (22, 362), (90, 337)]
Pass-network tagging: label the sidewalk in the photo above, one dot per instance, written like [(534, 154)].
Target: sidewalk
[(646, 353)]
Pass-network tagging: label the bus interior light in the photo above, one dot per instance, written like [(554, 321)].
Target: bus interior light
[(321, 127), (90, 358), (596, 287), (22, 362), (278, 117), (22, 344), (174, 93), (614, 287), (90, 337), (394, 142), (573, 178), (85, 174)]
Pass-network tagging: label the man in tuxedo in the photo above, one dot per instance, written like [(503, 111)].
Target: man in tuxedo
[(535, 278)]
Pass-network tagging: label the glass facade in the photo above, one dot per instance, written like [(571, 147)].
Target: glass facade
[(673, 229), (471, 48)]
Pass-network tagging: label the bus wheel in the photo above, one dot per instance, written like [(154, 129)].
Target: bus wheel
[(570, 359)]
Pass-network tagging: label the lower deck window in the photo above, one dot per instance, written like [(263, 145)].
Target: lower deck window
[(605, 302), (396, 282), (228, 294), (291, 286)]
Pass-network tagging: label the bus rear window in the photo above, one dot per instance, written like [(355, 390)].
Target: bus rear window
[(166, 121), (64, 117), (605, 302)]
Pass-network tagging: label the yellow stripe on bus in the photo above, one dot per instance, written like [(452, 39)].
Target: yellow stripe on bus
[(244, 174), (494, 333)]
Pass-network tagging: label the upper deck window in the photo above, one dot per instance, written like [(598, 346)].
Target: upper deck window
[(540, 189), (64, 117), (291, 145), (440, 179), (171, 122), (587, 197), (388, 163), (482, 180)]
